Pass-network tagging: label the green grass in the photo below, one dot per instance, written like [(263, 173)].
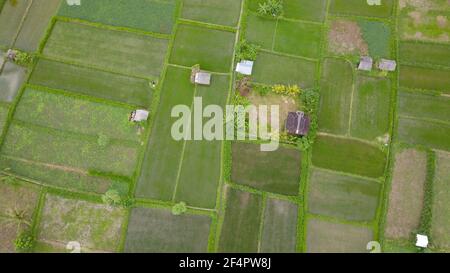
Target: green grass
[(440, 227), (277, 69), (336, 92), (371, 108), (10, 18), (148, 15), (350, 156), (423, 105), (157, 230), (277, 171), (425, 53), (425, 78), (210, 48), (118, 51), (260, 30), (360, 7), (163, 155), (342, 196), (212, 11), (298, 38), (424, 132), (240, 230), (11, 79), (92, 82), (391, 246), (279, 227), (378, 37), (305, 9)]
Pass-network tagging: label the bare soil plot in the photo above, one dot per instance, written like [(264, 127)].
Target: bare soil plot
[(240, 229), (324, 236), (279, 227), (212, 11), (425, 78), (210, 48), (260, 30), (346, 37), (157, 230), (92, 82), (357, 7), (423, 105), (277, 171), (96, 227), (10, 18), (425, 53), (407, 194), (11, 79), (118, 51), (440, 227), (433, 134), (343, 196)]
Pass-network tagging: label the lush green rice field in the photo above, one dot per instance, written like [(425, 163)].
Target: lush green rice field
[(350, 156), (4, 109), (422, 105), (343, 196), (260, 30), (147, 15), (371, 108), (336, 94), (358, 7), (212, 11), (425, 78), (118, 51), (277, 69), (305, 9), (11, 79), (157, 230), (243, 217), (424, 132), (10, 18), (277, 171), (425, 53), (440, 228), (199, 45), (279, 227)]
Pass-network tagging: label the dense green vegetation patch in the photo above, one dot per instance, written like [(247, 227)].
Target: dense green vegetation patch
[(212, 11)]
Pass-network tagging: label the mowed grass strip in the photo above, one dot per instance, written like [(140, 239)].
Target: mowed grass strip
[(217, 12), (118, 51), (342, 196), (200, 171), (336, 95), (424, 132), (440, 227), (371, 108), (325, 237), (279, 227), (260, 30), (148, 15), (10, 18), (407, 194), (272, 68), (298, 38), (277, 171), (425, 78), (92, 82), (348, 155), (240, 229), (157, 230), (212, 49), (423, 105), (162, 159), (425, 53), (358, 7)]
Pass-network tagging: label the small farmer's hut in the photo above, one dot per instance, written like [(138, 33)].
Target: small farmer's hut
[(387, 65), (245, 67), (298, 123), (139, 115), (11, 54), (203, 78), (365, 63)]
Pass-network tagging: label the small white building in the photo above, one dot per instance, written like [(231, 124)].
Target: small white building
[(139, 115), (422, 241), (245, 67), (365, 63), (387, 65), (203, 78)]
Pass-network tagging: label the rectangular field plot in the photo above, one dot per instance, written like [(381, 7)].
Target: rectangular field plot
[(324, 236), (425, 53), (277, 171), (212, 11), (407, 194), (11, 78), (157, 230), (118, 51), (4, 109), (350, 156), (240, 228), (425, 78), (201, 165), (96, 227), (279, 227), (10, 19), (440, 227), (336, 95), (92, 82), (212, 49), (276, 69), (426, 106), (371, 108), (297, 38), (433, 134), (148, 15), (163, 155), (358, 7), (343, 196), (260, 30), (305, 9), (35, 24)]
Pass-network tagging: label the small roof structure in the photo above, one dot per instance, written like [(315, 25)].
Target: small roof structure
[(365, 63), (387, 65), (245, 67), (139, 115), (203, 78), (422, 241), (11, 54), (298, 123)]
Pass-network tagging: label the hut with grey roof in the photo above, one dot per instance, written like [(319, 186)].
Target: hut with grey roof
[(387, 65), (139, 115), (203, 78), (365, 63)]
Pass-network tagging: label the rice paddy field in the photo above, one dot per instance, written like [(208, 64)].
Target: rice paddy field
[(74, 168)]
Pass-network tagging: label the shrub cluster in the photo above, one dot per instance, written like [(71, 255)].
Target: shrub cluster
[(246, 51), (288, 90), (272, 8)]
